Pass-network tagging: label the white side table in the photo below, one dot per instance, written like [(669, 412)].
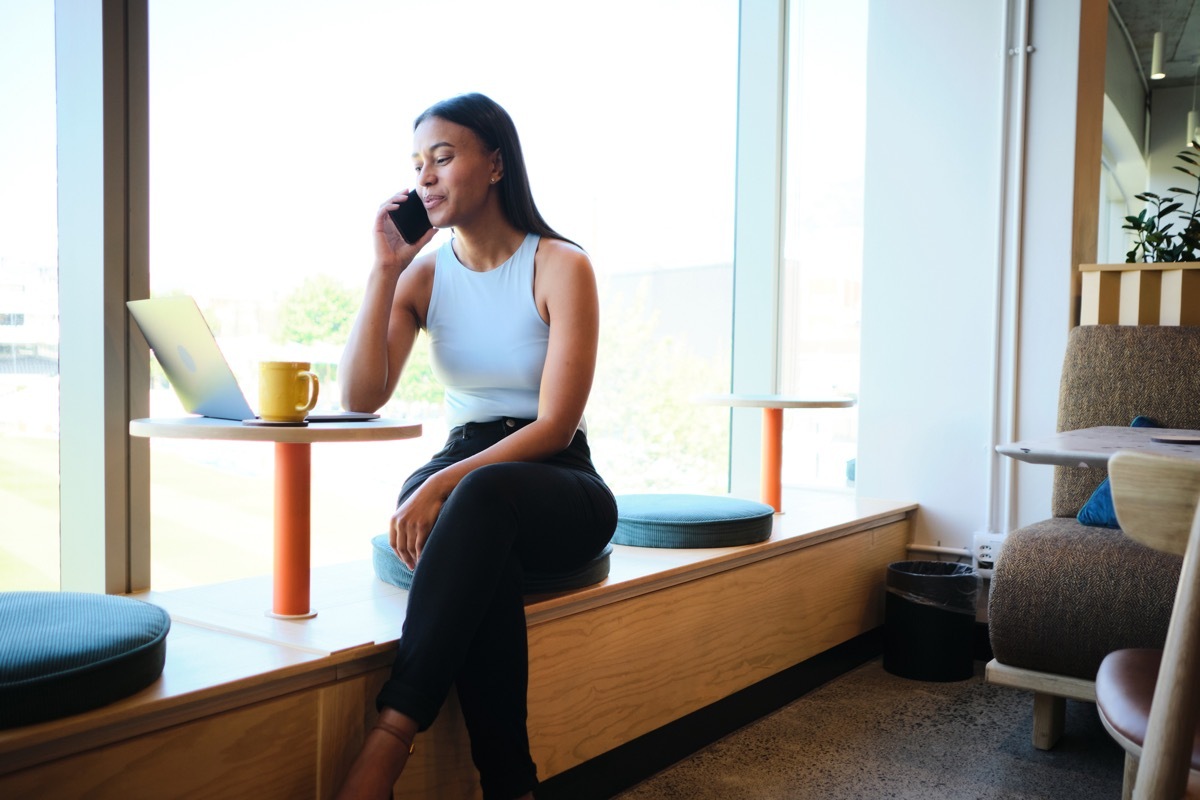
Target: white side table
[(772, 447), (293, 484)]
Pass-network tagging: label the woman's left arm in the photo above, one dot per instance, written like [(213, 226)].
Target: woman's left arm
[(565, 290), (572, 308)]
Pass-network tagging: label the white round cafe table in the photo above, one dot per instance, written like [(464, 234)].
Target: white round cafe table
[(772, 437), (293, 484)]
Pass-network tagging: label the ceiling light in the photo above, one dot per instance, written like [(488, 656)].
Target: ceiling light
[(1193, 134), (1156, 58)]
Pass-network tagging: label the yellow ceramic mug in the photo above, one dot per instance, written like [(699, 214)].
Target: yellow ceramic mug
[(287, 390)]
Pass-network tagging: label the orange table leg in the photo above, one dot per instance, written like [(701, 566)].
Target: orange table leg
[(772, 458), (293, 523)]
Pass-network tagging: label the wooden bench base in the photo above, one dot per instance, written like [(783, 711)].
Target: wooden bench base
[(251, 706)]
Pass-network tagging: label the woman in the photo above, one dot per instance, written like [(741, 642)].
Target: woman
[(511, 311)]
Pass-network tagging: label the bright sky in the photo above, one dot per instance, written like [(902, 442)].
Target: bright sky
[(277, 126), (28, 202)]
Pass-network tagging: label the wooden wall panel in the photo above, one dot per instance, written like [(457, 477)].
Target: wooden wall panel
[(1141, 297), (1101, 303), (1181, 297), (606, 676), (1089, 126), (1140, 294), (264, 751)]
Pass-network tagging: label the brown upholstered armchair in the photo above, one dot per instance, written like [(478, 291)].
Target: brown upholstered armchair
[(1064, 594)]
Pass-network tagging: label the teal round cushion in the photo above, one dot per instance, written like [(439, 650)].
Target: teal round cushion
[(390, 569), (62, 653), (691, 520)]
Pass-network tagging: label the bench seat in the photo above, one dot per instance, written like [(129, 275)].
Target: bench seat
[(669, 632)]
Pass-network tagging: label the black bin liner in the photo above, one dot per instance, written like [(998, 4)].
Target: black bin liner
[(929, 620)]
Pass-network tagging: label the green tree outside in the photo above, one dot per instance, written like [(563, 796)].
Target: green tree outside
[(321, 311)]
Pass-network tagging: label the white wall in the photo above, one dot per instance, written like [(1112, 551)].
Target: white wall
[(1168, 135), (1123, 81), (931, 399)]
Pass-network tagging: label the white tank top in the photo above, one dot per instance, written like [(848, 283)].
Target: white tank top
[(487, 340)]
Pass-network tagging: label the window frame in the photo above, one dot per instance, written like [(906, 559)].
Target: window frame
[(103, 255), (102, 63), (758, 227)]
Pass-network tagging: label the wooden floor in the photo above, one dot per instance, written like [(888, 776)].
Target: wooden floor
[(253, 706)]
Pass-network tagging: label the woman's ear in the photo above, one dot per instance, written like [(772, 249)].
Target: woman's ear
[(497, 166)]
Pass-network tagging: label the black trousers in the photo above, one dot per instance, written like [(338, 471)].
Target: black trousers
[(465, 624)]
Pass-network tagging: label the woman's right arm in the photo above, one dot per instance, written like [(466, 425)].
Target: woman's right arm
[(393, 306)]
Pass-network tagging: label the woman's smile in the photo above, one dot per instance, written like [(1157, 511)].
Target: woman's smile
[(432, 200)]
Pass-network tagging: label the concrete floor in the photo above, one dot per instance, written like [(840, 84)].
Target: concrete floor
[(869, 734)]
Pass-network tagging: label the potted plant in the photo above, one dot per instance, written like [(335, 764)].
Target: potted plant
[(1167, 230)]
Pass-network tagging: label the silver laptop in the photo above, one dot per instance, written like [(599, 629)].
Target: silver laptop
[(184, 345)]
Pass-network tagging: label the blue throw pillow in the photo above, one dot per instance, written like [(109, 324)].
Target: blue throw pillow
[(1098, 511)]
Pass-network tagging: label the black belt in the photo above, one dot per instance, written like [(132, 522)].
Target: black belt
[(497, 428)]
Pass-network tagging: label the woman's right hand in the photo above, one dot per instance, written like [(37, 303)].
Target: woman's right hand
[(393, 307), (391, 251), (413, 521)]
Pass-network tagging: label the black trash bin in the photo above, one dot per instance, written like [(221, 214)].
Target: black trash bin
[(929, 620)]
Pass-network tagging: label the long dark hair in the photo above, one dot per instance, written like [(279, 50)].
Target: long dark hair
[(495, 128)]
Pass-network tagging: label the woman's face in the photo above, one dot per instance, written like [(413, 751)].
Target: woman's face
[(454, 171)]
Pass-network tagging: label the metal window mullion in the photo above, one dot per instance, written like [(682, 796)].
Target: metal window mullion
[(758, 237), (100, 48)]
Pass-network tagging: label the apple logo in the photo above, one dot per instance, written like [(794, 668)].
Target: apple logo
[(187, 359)]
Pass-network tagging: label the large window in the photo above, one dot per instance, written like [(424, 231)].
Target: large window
[(822, 244), (29, 549), (277, 128)]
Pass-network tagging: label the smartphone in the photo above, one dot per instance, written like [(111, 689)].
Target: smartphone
[(411, 219)]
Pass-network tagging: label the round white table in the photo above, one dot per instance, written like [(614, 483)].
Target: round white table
[(772, 436), (1093, 447), (293, 484)]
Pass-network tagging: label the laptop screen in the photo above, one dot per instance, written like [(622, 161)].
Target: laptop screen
[(185, 348)]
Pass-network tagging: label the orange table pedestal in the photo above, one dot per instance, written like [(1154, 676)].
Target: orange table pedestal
[(293, 529), (772, 458), (772, 431), (293, 485)]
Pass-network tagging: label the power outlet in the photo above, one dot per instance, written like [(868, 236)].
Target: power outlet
[(986, 552)]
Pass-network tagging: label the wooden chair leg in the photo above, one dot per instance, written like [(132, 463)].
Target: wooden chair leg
[(1049, 719), (1131, 768)]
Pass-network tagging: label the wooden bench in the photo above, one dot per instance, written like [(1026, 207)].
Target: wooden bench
[(251, 706)]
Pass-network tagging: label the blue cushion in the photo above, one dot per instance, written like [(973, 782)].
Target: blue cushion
[(691, 520), (1098, 511), (63, 653), (390, 569)]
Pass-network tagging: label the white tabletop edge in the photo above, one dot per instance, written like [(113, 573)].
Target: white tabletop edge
[(207, 428), (747, 400), (1093, 447)]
